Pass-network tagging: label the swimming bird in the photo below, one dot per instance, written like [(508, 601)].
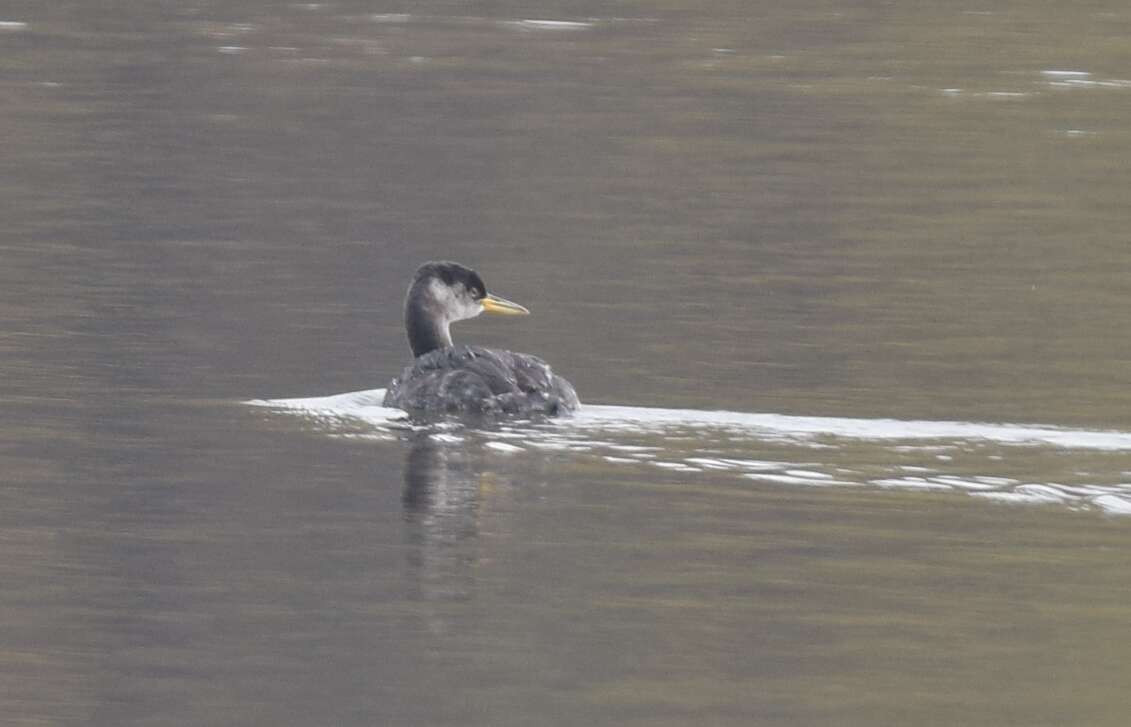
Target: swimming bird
[(468, 380)]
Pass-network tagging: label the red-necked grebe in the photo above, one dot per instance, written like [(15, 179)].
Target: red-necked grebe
[(474, 380)]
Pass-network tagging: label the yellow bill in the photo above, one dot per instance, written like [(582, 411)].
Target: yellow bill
[(502, 306)]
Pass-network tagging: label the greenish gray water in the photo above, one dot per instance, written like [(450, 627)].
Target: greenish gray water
[(912, 211)]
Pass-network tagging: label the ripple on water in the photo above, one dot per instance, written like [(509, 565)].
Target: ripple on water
[(998, 462), (567, 25), (1081, 79)]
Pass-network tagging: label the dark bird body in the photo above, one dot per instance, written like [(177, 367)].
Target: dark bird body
[(468, 380)]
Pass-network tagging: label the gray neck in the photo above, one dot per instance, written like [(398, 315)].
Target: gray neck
[(426, 326)]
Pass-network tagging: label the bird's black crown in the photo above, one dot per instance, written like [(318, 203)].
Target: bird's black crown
[(452, 274)]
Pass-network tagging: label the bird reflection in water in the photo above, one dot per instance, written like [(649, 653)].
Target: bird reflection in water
[(445, 490)]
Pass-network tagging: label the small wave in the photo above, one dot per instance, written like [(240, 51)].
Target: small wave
[(568, 25), (390, 18), (367, 406), (982, 459), (1052, 73), (781, 426)]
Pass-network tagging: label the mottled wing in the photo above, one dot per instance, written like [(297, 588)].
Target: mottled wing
[(477, 380)]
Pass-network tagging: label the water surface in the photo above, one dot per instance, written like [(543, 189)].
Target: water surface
[(831, 222)]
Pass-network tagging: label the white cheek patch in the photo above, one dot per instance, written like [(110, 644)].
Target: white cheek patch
[(456, 303), (441, 293), (471, 307)]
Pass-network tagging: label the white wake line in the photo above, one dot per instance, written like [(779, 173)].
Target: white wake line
[(863, 429), (366, 406)]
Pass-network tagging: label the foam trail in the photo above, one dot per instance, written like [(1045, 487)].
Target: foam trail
[(889, 454), (366, 405), (779, 425), (363, 405)]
